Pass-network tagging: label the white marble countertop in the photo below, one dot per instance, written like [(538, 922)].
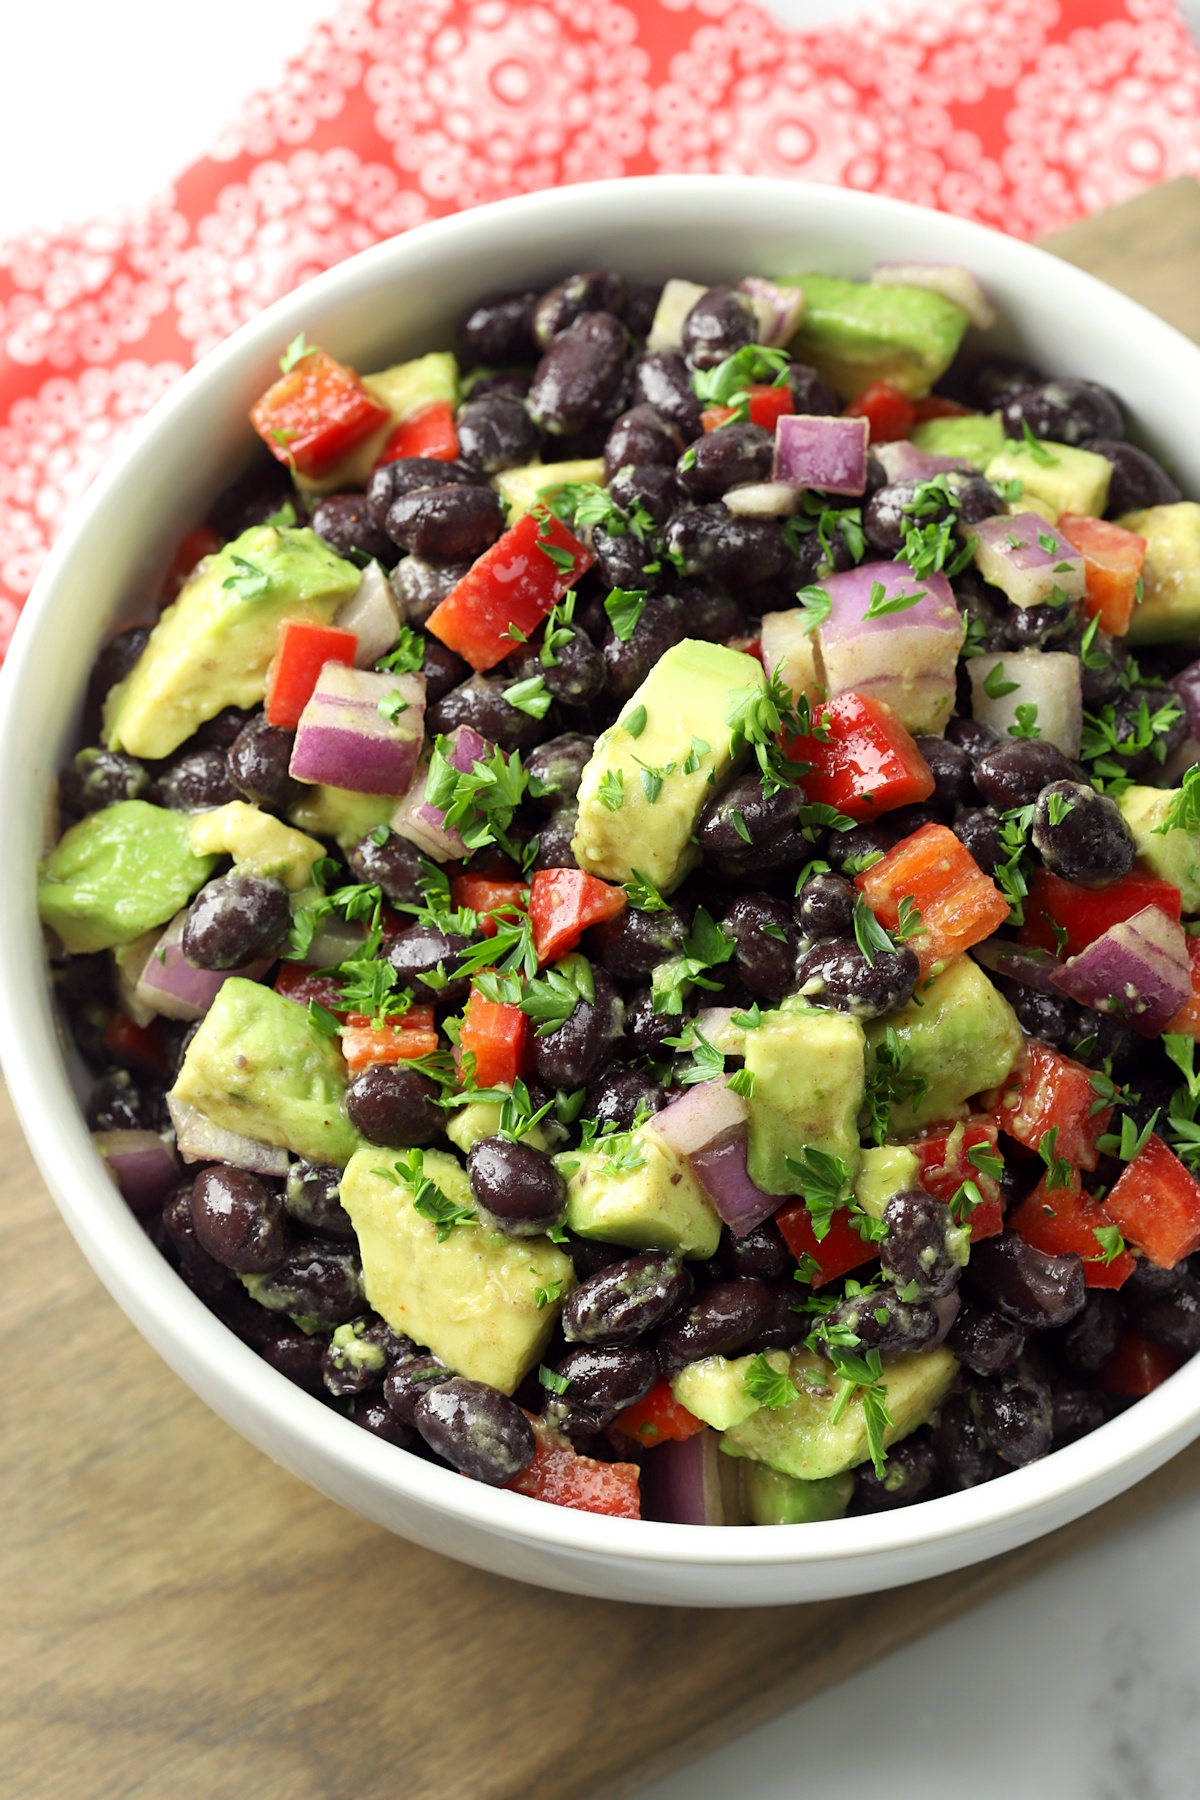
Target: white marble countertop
[(1081, 1685)]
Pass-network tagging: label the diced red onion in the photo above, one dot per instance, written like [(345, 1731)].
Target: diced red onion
[(680, 1483), (907, 658), (674, 304), (950, 280), (372, 614), (199, 1140), (1027, 558), (1048, 680), (779, 310), (725, 1178), (762, 500), (789, 647), (812, 451), (1031, 968), (348, 736), (1187, 686), (336, 942), (142, 1166), (946, 1309), (1138, 969), (708, 1113), (903, 461), (715, 1023), (171, 986), (424, 825)]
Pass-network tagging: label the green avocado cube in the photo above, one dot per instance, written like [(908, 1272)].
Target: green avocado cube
[(340, 814), (857, 332), (715, 1387), (979, 437), (1058, 476), (213, 647), (961, 1036), (486, 1304), (651, 774), (1173, 855), (804, 1440), (808, 1072), (258, 1066), (1169, 612), (774, 1499), (259, 843), (636, 1190), (521, 489), (118, 873), (481, 1118), (885, 1170)]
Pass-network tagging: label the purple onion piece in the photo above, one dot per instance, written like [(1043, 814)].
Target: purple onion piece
[(1027, 558), (168, 984), (778, 310), (904, 462), (142, 1166), (1138, 970), (1187, 686), (951, 280), (702, 1116), (361, 730), (812, 451), (681, 1482), (1031, 968), (723, 1175), (894, 637)]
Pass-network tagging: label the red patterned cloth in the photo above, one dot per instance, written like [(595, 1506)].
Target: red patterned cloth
[(1025, 114)]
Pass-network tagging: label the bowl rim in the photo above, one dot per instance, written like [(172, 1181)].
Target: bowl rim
[(231, 1377)]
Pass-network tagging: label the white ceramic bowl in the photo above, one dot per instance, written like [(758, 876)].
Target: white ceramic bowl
[(396, 300)]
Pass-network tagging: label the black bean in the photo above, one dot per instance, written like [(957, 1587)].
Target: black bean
[(1137, 480), (825, 906), (726, 458), (297, 1355), (1065, 411), (810, 392), (645, 1029), (235, 920), (834, 972), (516, 1187), (737, 553), (978, 828), (632, 945), (1166, 1314), (626, 1300), (662, 623), (1015, 774), (1131, 714), (714, 617), (419, 586), (450, 523), (576, 675), (1081, 835), (557, 767), (238, 1220), (620, 1094), (964, 1457), (499, 329), (971, 736), (641, 307), (923, 1248), (606, 1378), (1038, 627), (573, 1055), (257, 763), (115, 1103), (393, 1107), (252, 498), (360, 1354), (765, 943), (373, 1413), (1049, 1017), (442, 670), (495, 432), (661, 378), (119, 657), (196, 781), (554, 841), (99, 778), (480, 703), (721, 322), (908, 1474), (409, 1379), (719, 1322), (886, 519), (1076, 1412), (651, 486), (1102, 675), (479, 1431), (589, 1255), (312, 1197), (996, 377), (1027, 1285), (346, 524), (393, 481), (1090, 1339), (316, 1283), (1017, 1416), (783, 1328), (206, 1275), (882, 1321), (393, 866), (641, 438), (985, 1342), (977, 498), (595, 290), (579, 375), (950, 767), (754, 865), (761, 1253), (745, 815), (621, 559)]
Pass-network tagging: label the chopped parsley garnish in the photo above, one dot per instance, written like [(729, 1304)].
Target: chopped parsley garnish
[(1036, 448), (987, 1160), (408, 656), (727, 384), (879, 604), (559, 630), (1111, 1243), (995, 686), (705, 947), (624, 609), (825, 1185), (391, 706), (611, 792), (531, 696), (1131, 1141), (635, 721), (562, 558), (551, 997), (429, 1200), (1183, 814), (1025, 723), (869, 934), (479, 803), (708, 1063), (889, 1084), (295, 353), (908, 921), (1059, 1173), (250, 581), (816, 606), (549, 1378), (1059, 807), (863, 1375), (772, 1388), (322, 1020), (759, 717), (642, 894)]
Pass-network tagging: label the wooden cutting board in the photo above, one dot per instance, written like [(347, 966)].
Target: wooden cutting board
[(179, 1617)]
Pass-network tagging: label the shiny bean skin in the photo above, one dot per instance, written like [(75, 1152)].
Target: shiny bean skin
[(1015, 774), (645, 1029), (996, 377), (312, 1198), (595, 290), (373, 1413), (979, 830), (743, 814), (760, 1253), (783, 1328), (480, 703), (641, 438), (641, 307), (908, 1474), (450, 523), (810, 392), (1092, 1336), (99, 778), (238, 1220), (977, 498), (834, 972), (477, 1430), (419, 586), (1038, 627), (765, 943), (393, 481), (1128, 711), (1027, 1285), (1017, 1416), (346, 524), (409, 1379), (621, 559), (554, 840), (971, 736), (606, 1378), (579, 375), (516, 1187), (442, 670), (235, 920), (1065, 411), (824, 906), (257, 763), (714, 617), (499, 329), (394, 1107), (1137, 480), (709, 541), (923, 1247), (196, 781), (886, 519), (661, 379), (495, 432), (205, 1274), (314, 1282), (883, 1321), (420, 950), (626, 1300), (590, 1255), (950, 767), (726, 458), (618, 1095), (298, 1356), (632, 945), (573, 1056), (1076, 1412), (252, 498), (983, 1341), (1081, 835), (121, 653), (721, 322), (723, 1318), (393, 866), (359, 1355), (627, 663), (115, 1104), (964, 1457), (576, 675), (1169, 1316), (557, 767), (653, 487)]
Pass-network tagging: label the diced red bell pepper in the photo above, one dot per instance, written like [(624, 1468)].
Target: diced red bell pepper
[(429, 432), (839, 1251), (1086, 913), (959, 905), (889, 413), (767, 406), (483, 894), (494, 1033), (191, 549), (1137, 1367), (562, 904), (403, 1039), (315, 413), (747, 646), (863, 762), (136, 1046), (304, 649), (1060, 1219), (944, 1156), (561, 1476), (515, 583), (1048, 1089), (1112, 561), (302, 984), (1187, 1019), (936, 406), (658, 1416), (1156, 1202)]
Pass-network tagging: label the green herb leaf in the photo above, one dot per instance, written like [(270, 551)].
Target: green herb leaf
[(1059, 1173), (295, 353), (1025, 724), (995, 686), (816, 606), (250, 581), (624, 609), (642, 894), (825, 1184), (407, 658), (879, 605), (772, 1388), (635, 721), (869, 934), (611, 792), (557, 1384), (322, 1020), (531, 696), (1111, 1243), (392, 705)]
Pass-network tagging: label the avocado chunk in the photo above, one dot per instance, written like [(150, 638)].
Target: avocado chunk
[(521, 489), (634, 1189), (1169, 612), (715, 1387), (644, 789), (808, 1091), (961, 1036), (406, 389), (883, 1171), (481, 1118), (212, 648), (857, 332), (775, 1499), (258, 843), (1174, 855), (802, 1439), (118, 873), (258, 1067), (485, 1303), (1055, 477), (978, 437), (340, 814)]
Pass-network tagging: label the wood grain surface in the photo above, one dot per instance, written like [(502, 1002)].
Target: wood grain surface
[(181, 1620)]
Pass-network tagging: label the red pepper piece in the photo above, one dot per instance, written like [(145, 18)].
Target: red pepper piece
[(839, 1251), (304, 649), (192, 548), (1046, 1090), (515, 583), (1086, 913), (945, 1159), (658, 1416), (936, 406), (494, 1033), (1187, 1019), (1156, 1202), (296, 982), (136, 1046), (889, 413), (864, 762), (767, 406), (366, 1042), (1112, 561), (428, 433), (564, 1478), (562, 904), (485, 894), (1137, 1367), (315, 413), (959, 905), (1065, 1218)]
